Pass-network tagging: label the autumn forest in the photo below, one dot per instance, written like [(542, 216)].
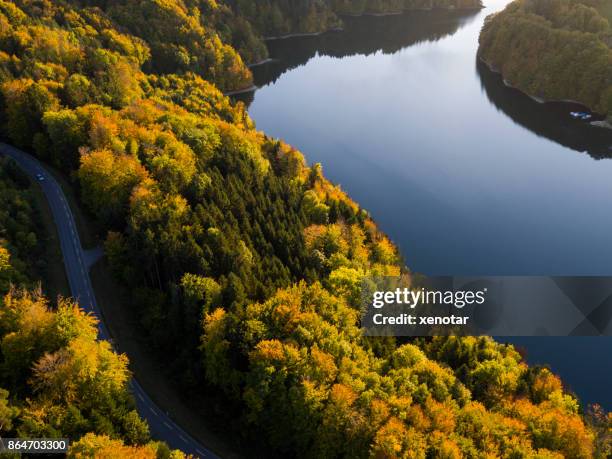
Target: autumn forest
[(242, 262)]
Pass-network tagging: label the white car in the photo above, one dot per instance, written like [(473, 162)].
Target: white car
[(40, 177)]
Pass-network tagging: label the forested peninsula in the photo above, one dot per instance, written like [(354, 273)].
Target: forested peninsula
[(554, 49), (242, 262)]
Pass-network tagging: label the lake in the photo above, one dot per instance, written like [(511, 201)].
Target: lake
[(467, 175)]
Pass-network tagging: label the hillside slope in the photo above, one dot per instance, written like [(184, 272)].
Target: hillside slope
[(554, 49), (243, 262)]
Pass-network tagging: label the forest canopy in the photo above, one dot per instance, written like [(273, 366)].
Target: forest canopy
[(554, 49), (243, 262)]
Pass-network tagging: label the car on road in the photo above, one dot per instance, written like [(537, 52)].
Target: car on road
[(40, 177)]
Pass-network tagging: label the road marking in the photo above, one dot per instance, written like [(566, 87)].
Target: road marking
[(183, 438), (154, 412), (200, 453), (168, 425), (140, 396)]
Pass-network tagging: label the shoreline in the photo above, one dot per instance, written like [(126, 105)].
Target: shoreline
[(269, 60), (265, 61), (381, 15), (604, 123), (235, 92), (303, 34), (408, 10), (368, 14)]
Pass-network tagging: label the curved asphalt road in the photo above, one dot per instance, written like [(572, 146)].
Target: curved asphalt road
[(77, 263)]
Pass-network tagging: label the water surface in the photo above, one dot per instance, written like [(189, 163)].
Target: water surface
[(466, 175)]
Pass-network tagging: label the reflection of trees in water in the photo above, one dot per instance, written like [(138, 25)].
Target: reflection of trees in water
[(550, 120), (361, 35)]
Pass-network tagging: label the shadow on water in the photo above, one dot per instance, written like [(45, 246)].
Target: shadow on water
[(362, 35), (550, 120)]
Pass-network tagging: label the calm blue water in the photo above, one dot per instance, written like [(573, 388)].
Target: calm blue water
[(466, 175)]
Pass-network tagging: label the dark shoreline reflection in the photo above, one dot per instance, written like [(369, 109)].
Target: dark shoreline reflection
[(364, 35), (550, 120)]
